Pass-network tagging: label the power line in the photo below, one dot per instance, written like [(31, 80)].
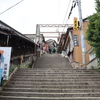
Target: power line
[(66, 23), (58, 7), (67, 10), (10, 7), (73, 6)]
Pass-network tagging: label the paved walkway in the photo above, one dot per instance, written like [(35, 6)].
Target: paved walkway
[(52, 60)]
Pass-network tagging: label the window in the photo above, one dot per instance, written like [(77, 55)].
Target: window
[(75, 40)]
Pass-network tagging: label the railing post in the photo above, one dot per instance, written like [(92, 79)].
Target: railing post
[(21, 60)]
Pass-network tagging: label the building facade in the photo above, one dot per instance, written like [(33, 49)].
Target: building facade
[(70, 46)]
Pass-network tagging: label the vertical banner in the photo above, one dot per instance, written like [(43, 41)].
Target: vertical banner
[(5, 53), (75, 27), (83, 43)]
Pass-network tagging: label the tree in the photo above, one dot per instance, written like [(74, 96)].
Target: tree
[(93, 31)]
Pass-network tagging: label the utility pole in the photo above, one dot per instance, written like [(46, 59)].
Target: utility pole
[(37, 40), (81, 32)]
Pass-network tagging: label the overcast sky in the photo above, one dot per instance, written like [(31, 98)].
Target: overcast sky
[(28, 13)]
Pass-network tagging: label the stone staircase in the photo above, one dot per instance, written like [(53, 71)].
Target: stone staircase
[(52, 78)]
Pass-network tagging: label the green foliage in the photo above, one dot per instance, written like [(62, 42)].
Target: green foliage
[(13, 68), (99, 63), (28, 64), (31, 63), (93, 31), (97, 5)]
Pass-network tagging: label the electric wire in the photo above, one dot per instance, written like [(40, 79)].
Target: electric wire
[(66, 12), (58, 8), (58, 13), (70, 13), (11, 7)]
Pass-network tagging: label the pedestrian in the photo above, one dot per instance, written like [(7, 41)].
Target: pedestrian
[(54, 50), (50, 50), (44, 49)]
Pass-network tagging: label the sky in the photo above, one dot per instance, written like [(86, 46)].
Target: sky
[(25, 16)]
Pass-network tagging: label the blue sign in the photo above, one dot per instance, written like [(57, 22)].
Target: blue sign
[(1, 74), (83, 43)]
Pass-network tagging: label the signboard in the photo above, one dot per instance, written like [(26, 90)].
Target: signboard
[(75, 24), (5, 53)]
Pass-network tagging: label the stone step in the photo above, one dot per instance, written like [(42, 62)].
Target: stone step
[(57, 70), (56, 79), (61, 68), (54, 72), (52, 90), (42, 68), (24, 73), (57, 86), (69, 82), (54, 83), (53, 66), (40, 94), (55, 75), (47, 98), (63, 74)]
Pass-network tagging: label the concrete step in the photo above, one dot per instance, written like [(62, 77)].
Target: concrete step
[(56, 72), (56, 77), (57, 86), (52, 65), (40, 94), (54, 83), (52, 90), (54, 68), (47, 98), (67, 74), (56, 80)]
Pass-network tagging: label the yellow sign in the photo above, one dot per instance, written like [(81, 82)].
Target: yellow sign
[(75, 24)]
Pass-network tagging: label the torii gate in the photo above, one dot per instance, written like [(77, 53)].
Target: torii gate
[(38, 32)]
